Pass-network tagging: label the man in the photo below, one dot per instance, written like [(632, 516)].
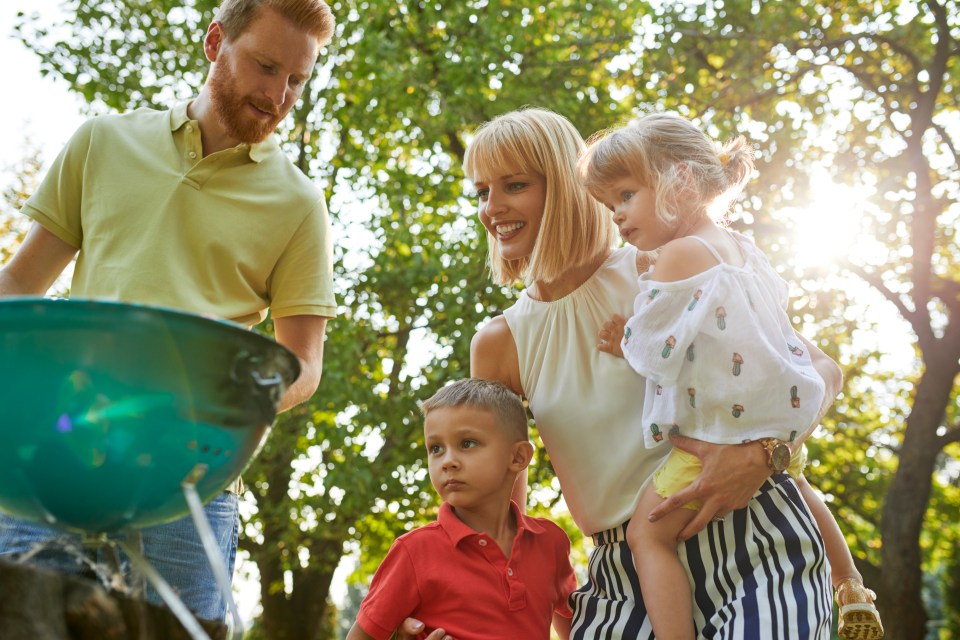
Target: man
[(196, 208)]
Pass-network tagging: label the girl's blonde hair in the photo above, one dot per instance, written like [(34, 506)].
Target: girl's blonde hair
[(575, 229), (690, 176)]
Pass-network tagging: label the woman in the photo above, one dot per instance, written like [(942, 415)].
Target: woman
[(756, 570)]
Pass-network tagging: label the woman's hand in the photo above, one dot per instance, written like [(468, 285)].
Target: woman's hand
[(411, 627), (731, 475), (611, 334)]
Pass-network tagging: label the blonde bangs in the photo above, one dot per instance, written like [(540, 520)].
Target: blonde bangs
[(612, 155)]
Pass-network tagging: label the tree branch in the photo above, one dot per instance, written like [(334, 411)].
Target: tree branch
[(952, 435), (916, 319)]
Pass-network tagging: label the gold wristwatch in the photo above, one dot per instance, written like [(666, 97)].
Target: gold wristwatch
[(778, 454)]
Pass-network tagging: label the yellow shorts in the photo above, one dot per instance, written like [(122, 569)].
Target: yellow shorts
[(681, 468)]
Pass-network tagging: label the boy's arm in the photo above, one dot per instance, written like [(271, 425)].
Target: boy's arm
[(561, 624), (357, 633)]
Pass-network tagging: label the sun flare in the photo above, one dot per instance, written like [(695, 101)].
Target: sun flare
[(828, 228)]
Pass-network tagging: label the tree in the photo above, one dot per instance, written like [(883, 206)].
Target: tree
[(880, 79), (25, 179)]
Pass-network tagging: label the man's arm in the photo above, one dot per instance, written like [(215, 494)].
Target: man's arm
[(37, 263), (303, 335)]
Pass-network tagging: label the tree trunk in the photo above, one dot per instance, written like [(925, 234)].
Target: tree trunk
[(904, 615), (44, 605)]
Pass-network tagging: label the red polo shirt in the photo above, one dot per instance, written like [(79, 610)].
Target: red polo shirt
[(448, 575)]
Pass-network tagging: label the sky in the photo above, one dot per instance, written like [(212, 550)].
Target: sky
[(36, 108)]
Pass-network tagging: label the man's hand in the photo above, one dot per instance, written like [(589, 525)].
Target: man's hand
[(610, 335), (411, 627), (731, 475)]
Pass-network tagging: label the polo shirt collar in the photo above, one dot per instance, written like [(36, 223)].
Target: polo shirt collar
[(458, 531), (257, 151)]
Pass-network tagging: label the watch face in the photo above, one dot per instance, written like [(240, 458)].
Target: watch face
[(780, 457)]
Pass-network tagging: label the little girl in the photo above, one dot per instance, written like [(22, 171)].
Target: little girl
[(711, 335)]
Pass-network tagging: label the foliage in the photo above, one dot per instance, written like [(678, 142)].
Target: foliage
[(383, 126), (14, 228)]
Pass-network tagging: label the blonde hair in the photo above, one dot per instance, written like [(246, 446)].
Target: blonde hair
[(313, 16), (486, 395), (575, 229), (690, 176)]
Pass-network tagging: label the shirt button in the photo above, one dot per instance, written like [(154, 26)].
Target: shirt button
[(482, 542), (192, 155), (189, 127), (509, 571)]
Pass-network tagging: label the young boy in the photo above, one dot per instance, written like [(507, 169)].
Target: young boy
[(483, 569)]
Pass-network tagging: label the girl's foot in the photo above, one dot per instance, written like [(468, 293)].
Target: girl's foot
[(859, 619)]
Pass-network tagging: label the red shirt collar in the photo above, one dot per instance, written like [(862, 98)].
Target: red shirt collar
[(458, 531)]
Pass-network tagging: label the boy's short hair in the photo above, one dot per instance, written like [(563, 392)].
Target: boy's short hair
[(313, 16), (488, 395), (575, 228)]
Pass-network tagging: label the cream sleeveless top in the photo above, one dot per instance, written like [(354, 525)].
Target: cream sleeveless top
[(587, 404)]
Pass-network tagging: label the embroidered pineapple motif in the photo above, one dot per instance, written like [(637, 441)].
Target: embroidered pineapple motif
[(668, 346), (653, 294), (659, 390), (737, 410), (655, 430), (794, 398), (721, 318), (690, 352), (795, 350), (693, 397), (627, 333), (737, 363), (696, 297)]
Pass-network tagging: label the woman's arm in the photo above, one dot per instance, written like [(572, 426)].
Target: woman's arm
[(732, 474), (493, 356), (411, 627)]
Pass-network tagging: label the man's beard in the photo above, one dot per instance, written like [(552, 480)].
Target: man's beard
[(230, 108)]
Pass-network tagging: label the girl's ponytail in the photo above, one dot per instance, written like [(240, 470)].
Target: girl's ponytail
[(736, 158)]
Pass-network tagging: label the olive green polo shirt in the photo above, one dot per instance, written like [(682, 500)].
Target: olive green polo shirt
[(156, 223)]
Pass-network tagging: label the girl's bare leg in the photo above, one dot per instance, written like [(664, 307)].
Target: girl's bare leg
[(663, 579), (841, 562)]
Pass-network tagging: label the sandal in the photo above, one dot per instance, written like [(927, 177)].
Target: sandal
[(859, 619)]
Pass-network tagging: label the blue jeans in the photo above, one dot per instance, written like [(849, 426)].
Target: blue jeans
[(174, 549)]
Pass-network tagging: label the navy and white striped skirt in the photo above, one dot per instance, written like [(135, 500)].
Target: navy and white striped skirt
[(762, 573)]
